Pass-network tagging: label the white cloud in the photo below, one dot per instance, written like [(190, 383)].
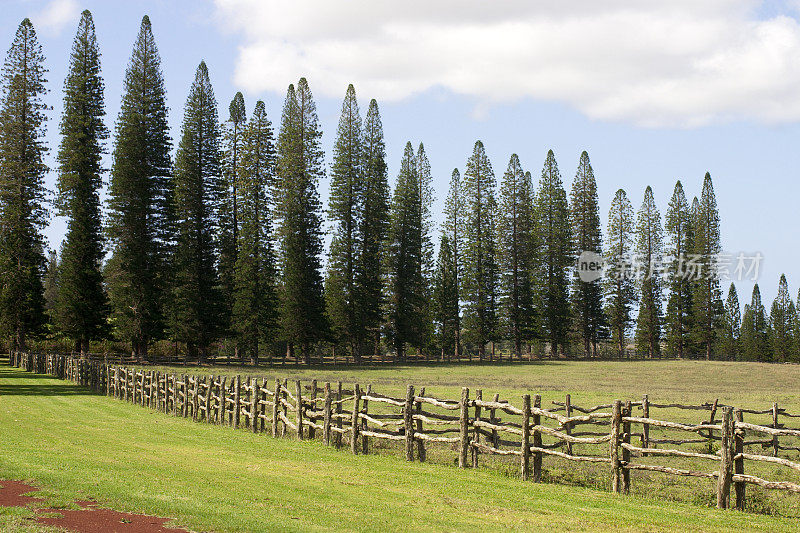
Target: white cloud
[(679, 63), (56, 16)]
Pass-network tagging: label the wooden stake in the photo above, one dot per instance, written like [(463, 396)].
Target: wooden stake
[(616, 420), (537, 441), (408, 422), (738, 464), (354, 444), (726, 460), (464, 428), (326, 415), (526, 438)]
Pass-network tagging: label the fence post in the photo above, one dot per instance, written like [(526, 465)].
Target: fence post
[(355, 420), (299, 409), (476, 431), (626, 454), (725, 463), (711, 418), (645, 427), (568, 426), (418, 429), (326, 415), (185, 405), (364, 427), (464, 428), (196, 399), (337, 439), (408, 422), (237, 386), (775, 425), (209, 388), (616, 419), (526, 438), (492, 412), (311, 429), (222, 404), (537, 441), (738, 463), (275, 406)]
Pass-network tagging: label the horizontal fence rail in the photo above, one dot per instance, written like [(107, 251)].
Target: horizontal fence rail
[(626, 436)]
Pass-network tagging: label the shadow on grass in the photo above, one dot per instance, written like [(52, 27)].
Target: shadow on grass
[(51, 388)]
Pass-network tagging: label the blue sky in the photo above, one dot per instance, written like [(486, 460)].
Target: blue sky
[(654, 93)]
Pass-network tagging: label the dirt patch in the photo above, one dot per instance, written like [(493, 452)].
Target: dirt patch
[(90, 518)]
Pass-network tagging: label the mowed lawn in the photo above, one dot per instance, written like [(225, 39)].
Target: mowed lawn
[(209, 478)]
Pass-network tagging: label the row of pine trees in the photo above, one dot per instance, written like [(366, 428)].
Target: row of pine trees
[(225, 242)]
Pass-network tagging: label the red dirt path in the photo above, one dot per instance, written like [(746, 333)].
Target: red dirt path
[(89, 519)]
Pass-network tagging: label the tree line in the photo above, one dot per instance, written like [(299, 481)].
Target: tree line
[(223, 245)]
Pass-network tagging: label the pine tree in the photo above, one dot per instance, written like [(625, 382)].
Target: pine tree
[(407, 306), (229, 216), (427, 265), (619, 285), (480, 253), (370, 269), (706, 299), (679, 226), (515, 237), (196, 297), (22, 192), (445, 298), (781, 324), (649, 249), (255, 297), (454, 229), (345, 210), (51, 283), (83, 305), (554, 241), (140, 229), (731, 327), (755, 334), (298, 213), (587, 296)]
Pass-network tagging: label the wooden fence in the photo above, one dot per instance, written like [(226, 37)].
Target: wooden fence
[(624, 435)]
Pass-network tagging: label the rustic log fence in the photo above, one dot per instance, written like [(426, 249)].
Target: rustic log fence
[(614, 434)]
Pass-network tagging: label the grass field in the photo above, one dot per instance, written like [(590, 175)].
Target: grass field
[(76, 445)]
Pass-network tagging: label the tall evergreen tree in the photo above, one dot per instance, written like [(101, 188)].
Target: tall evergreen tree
[(707, 298), (22, 192), (680, 229), (83, 305), (781, 324), (445, 298), (370, 269), (731, 326), (140, 228), (619, 285), (554, 240), (515, 237), (345, 211), (480, 253), (51, 276), (587, 296), (454, 228), (298, 212), (427, 265), (229, 216), (407, 306), (255, 297), (198, 186), (755, 329), (649, 249)]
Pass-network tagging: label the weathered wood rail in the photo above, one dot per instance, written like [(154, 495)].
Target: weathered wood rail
[(612, 434)]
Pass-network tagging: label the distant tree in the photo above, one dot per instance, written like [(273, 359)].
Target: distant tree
[(480, 253), (781, 324), (51, 276), (140, 228), (620, 288), (83, 304), (516, 254), (755, 329), (255, 296), (298, 213), (445, 298), (229, 215), (729, 343), (552, 233), (345, 212), (454, 228), (374, 229), (679, 226), (22, 192), (196, 297), (407, 309), (587, 296), (707, 305), (649, 249)]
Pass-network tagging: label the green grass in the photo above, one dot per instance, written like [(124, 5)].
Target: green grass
[(75, 445)]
